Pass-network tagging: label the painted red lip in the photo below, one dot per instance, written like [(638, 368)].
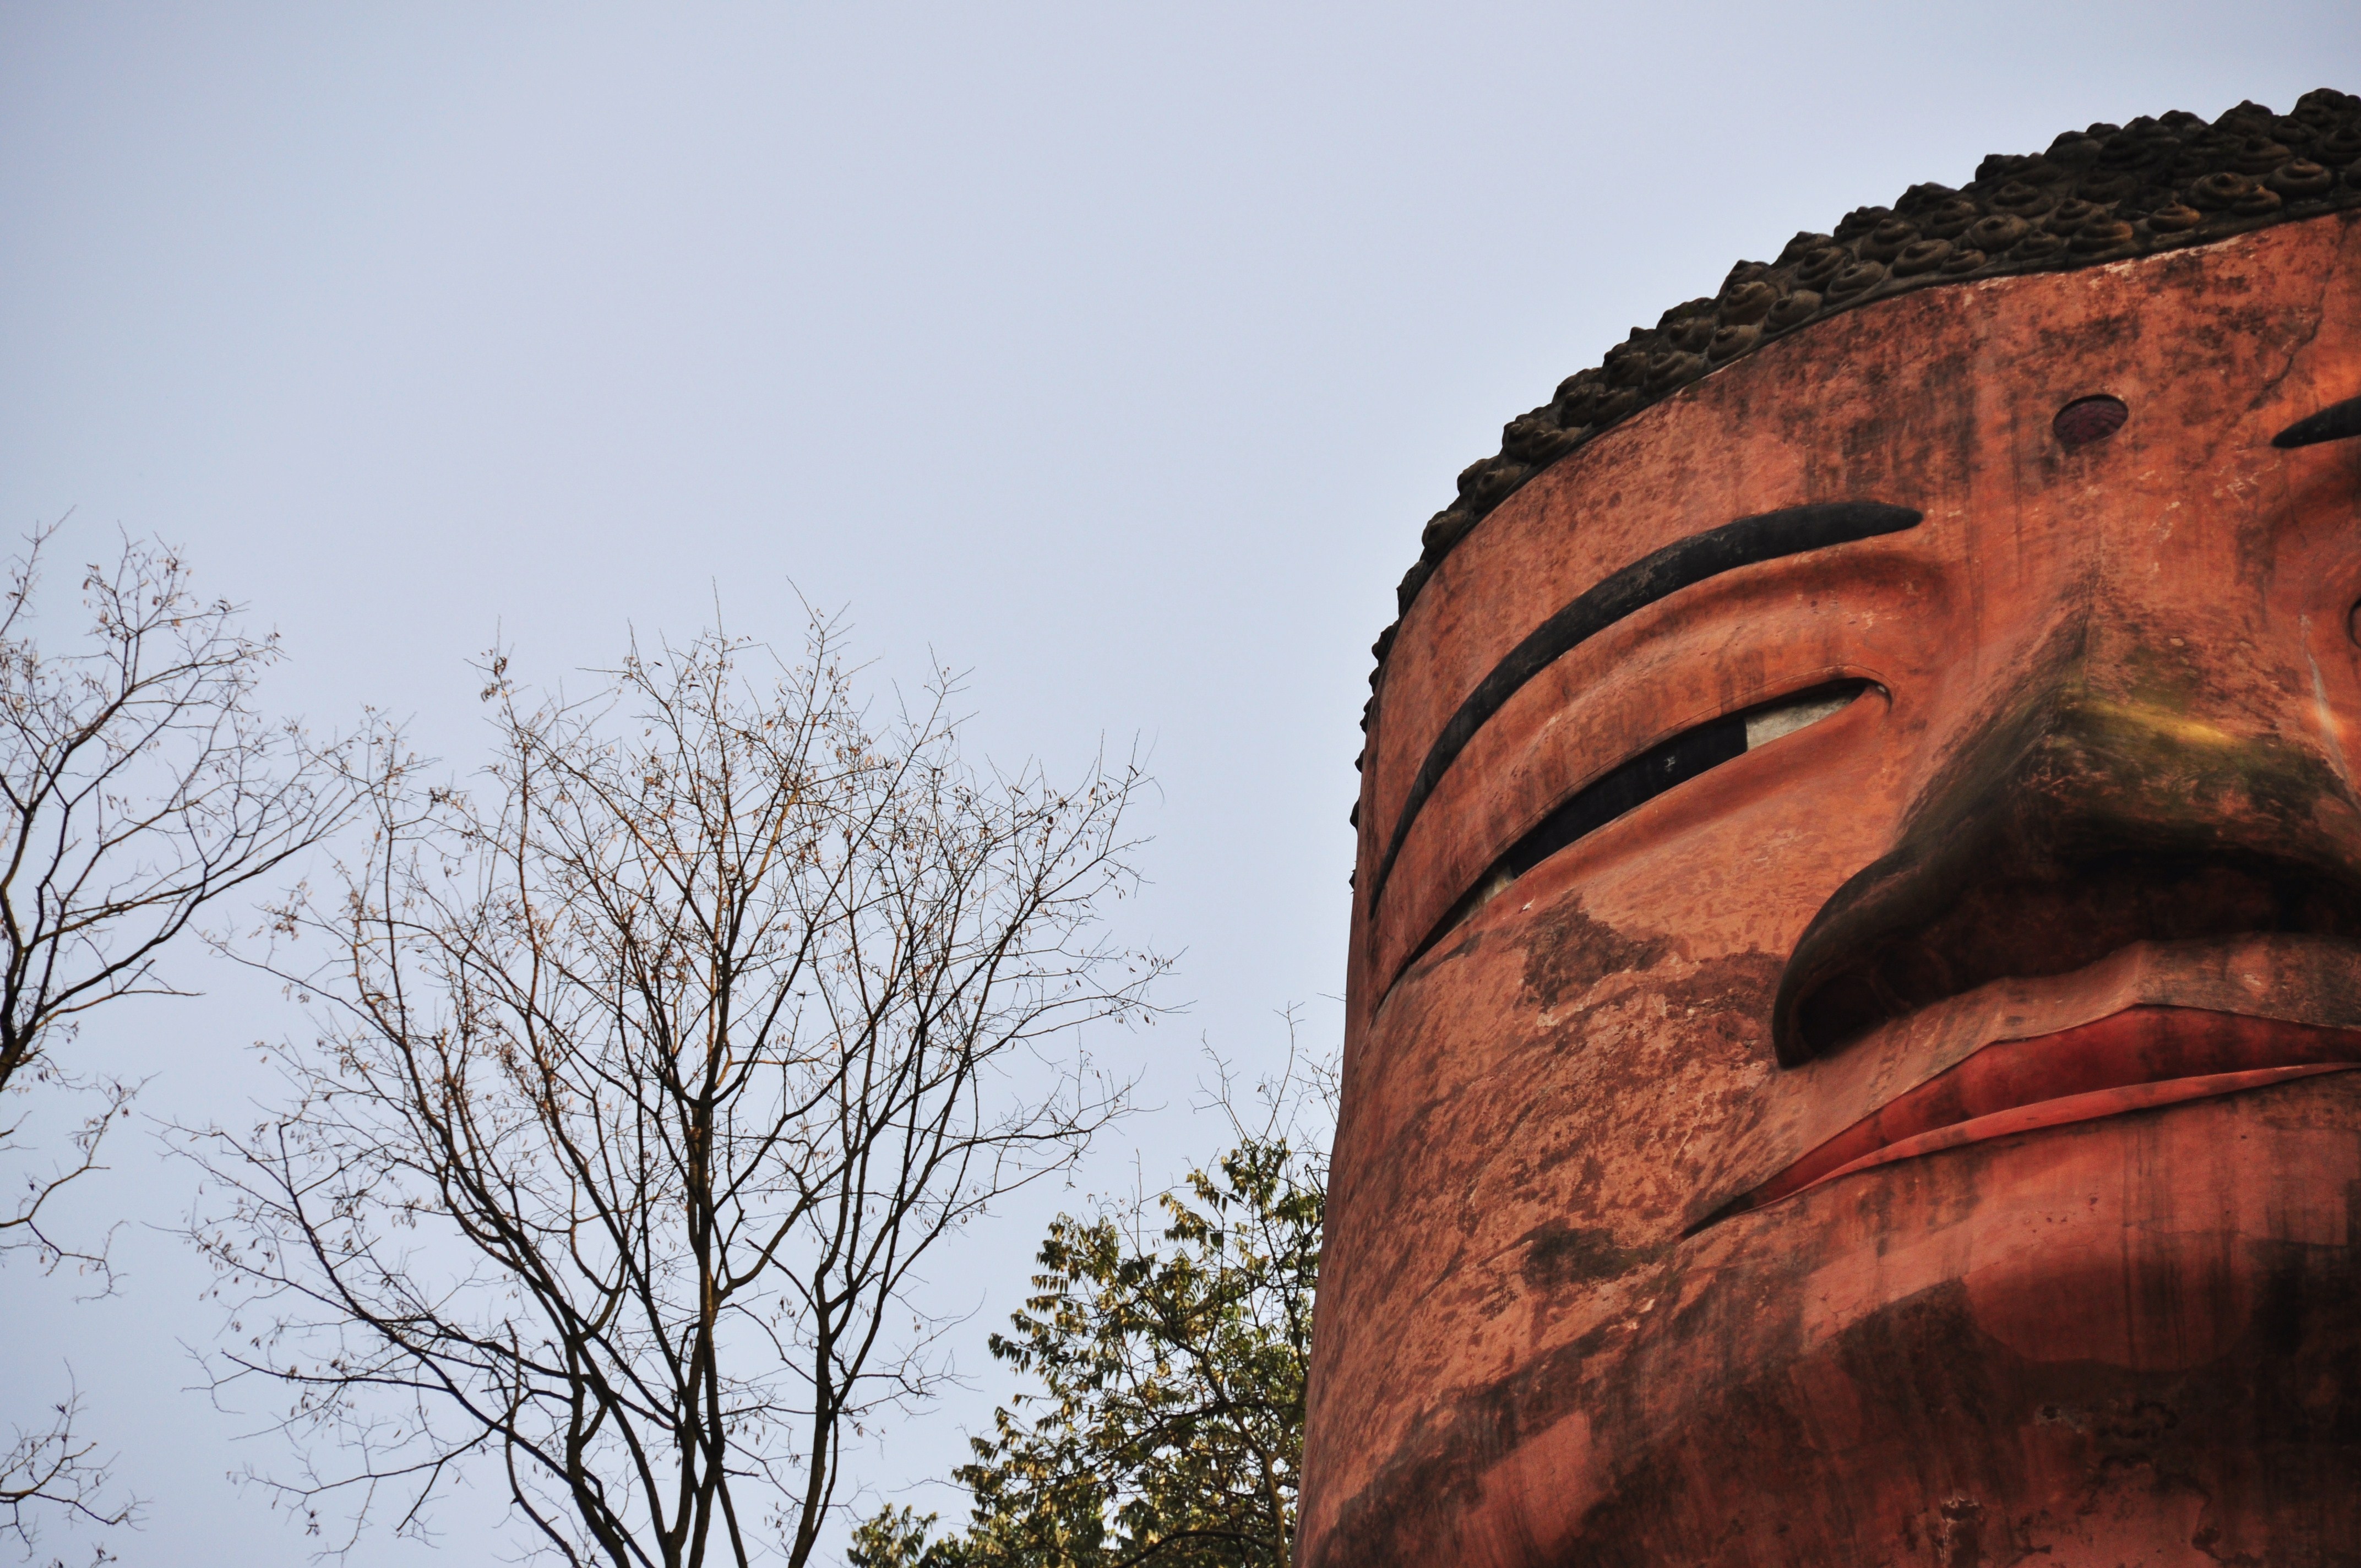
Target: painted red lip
[(2134, 1060)]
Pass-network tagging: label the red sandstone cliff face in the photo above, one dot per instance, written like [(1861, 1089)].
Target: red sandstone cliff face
[(2102, 760)]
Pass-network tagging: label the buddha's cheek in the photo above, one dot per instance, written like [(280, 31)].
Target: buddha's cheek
[(1533, 1172)]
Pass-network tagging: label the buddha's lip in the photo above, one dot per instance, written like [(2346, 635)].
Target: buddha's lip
[(2136, 1060)]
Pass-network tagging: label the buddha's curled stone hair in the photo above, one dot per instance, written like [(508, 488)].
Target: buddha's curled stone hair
[(2100, 195)]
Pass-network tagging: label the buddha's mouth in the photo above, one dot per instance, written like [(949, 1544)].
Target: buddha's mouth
[(2138, 1060)]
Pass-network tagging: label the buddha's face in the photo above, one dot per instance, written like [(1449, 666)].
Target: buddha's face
[(1847, 1063)]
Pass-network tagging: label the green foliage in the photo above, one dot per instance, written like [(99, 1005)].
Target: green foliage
[(1169, 1427)]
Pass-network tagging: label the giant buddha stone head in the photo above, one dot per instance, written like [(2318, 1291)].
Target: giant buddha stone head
[(1856, 954)]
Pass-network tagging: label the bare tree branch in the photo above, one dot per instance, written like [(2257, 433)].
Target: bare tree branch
[(647, 1074), (138, 785), (56, 1469)]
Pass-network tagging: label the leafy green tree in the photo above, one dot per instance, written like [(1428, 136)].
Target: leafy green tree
[(1169, 1427)]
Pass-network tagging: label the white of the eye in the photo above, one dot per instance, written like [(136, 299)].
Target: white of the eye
[(1766, 724), (1496, 882)]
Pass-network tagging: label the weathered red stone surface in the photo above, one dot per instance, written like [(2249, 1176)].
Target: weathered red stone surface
[(2094, 812)]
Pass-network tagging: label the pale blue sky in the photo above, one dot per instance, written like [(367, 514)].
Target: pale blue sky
[(1116, 352)]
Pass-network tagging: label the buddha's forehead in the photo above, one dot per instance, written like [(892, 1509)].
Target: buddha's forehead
[(1943, 404), (1943, 401)]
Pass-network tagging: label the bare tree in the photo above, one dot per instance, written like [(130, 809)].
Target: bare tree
[(139, 784), (646, 1077)]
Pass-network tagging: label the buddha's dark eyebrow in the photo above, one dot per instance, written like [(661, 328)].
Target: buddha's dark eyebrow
[(2335, 423), (1766, 536)]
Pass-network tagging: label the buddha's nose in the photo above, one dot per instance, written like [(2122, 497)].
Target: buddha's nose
[(2088, 815)]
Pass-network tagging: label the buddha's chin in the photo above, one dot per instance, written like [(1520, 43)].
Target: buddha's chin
[(2130, 1341)]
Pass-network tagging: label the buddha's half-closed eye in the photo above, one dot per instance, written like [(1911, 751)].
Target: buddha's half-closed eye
[(1634, 782)]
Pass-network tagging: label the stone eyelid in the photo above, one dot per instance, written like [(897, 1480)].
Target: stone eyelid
[(1750, 540), (1637, 780)]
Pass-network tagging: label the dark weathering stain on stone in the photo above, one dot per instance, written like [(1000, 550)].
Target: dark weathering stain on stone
[(1567, 952), (1558, 1254), (1740, 985)]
